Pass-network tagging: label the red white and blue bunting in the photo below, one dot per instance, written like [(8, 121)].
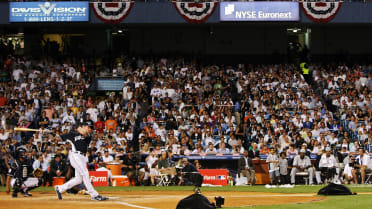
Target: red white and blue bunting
[(320, 12), (194, 12), (111, 12)]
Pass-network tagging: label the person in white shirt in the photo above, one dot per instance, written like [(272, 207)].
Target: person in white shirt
[(103, 105), (69, 118), (161, 132), (210, 149), (17, 74), (43, 165), (150, 160), (302, 163), (107, 158), (3, 135), (350, 171), (328, 164), (364, 163), (222, 149), (93, 112), (102, 167), (273, 160)]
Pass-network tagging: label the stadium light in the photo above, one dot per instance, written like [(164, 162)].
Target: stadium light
[(294, 30), (120, 31)]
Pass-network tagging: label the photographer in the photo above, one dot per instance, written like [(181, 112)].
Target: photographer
[(130, 167), (186, 173)]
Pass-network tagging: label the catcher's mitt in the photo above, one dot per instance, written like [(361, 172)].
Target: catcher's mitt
[(38, 172)]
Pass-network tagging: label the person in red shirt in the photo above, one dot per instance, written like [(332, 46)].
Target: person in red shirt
[(99, 126), (3, 100), (89, 102)]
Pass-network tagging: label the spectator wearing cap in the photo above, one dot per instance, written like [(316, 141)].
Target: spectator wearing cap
[(328, 164), (58, 168), (187, 170), (302, 163), (107, 158)]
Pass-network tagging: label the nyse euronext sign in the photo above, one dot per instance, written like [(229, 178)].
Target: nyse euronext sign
[(48, 11), (259, 11)]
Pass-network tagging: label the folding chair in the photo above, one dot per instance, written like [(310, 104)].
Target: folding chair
[(164, 179), (368, 177)]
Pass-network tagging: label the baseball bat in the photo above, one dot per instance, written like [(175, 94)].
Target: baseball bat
[(29, 129)]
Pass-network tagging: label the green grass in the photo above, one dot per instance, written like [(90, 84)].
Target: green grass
[(363, 201), (333, 202)]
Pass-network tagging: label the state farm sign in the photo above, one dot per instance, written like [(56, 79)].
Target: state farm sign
[(98, 178), (214, 176)]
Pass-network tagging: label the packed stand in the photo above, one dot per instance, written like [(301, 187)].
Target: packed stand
[(171, 107)]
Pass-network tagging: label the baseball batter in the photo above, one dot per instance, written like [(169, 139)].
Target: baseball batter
[(79, 142)]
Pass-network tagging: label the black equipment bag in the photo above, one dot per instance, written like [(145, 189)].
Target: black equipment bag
[(335, 189)]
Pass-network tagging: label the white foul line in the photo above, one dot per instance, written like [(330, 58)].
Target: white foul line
[(134, 206)]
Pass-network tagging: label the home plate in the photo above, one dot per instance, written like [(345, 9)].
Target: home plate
[(113, 198)]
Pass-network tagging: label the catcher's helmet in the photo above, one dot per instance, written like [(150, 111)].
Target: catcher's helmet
[(21, 153)]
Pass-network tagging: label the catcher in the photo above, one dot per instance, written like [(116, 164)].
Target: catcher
[(23, 179)]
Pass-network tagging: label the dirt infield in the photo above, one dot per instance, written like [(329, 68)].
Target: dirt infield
[(147, 200)]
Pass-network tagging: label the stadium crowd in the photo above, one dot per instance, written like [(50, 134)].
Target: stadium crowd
[(174, 107)]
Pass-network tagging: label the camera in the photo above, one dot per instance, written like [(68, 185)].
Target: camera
[(219, 201)]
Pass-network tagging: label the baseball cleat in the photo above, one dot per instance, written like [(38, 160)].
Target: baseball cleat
[(99, 198), (59, 194), (26, 194)]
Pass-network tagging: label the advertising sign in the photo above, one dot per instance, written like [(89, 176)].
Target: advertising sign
[(259, 11), (215, 176), (61, 11), (98, 178)]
